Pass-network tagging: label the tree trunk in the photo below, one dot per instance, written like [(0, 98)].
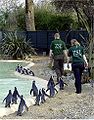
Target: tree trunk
[(92, 49), (30, 25)]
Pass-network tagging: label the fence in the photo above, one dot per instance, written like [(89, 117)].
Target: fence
[(42, 39)]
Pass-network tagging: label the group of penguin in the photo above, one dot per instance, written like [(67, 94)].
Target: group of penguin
[(12, 99), (25, 71), (38, 94)]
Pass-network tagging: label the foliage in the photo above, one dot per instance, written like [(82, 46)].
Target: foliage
[(46, 17), (3, 20), (60, 22), (20, 18), (45, 20), (42, 18), (8, 13), (81, 7), (15, 46)]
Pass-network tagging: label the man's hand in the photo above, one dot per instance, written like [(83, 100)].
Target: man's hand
[(50, 55), (68, 59), (68, 65)]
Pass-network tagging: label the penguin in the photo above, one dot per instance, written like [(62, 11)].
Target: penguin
[(15, 96), (50, 82), (38, 97), (34, 89), (8, 99), (21, 106), (43, 94), (52, 89), (61, 83)]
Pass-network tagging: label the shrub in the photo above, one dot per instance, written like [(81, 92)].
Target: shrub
[(16, 46)]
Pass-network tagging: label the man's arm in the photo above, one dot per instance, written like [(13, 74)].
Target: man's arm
[(66, 55), (50, 54)]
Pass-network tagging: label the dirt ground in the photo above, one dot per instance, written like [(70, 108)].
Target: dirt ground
[(66, 104)]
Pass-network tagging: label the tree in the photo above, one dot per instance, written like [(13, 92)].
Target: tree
[(8, 13), (21, 24), (30, 25)]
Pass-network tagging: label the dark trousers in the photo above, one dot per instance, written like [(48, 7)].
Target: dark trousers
[(77, 70), (58, 66)]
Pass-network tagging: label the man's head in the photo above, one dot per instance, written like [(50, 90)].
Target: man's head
[(57, 36)]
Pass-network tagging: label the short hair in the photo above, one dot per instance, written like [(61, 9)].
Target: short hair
[(57, 35)]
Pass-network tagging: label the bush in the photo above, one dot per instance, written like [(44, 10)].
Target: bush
[(45, 20), (16, 46)]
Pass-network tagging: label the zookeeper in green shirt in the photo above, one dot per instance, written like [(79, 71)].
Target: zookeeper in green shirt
[(79, 62), (58, 50)]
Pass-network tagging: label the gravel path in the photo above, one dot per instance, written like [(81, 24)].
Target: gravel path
[(65, 105)]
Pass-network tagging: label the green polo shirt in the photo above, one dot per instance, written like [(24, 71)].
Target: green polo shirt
[(57, 47), (77, 53)]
